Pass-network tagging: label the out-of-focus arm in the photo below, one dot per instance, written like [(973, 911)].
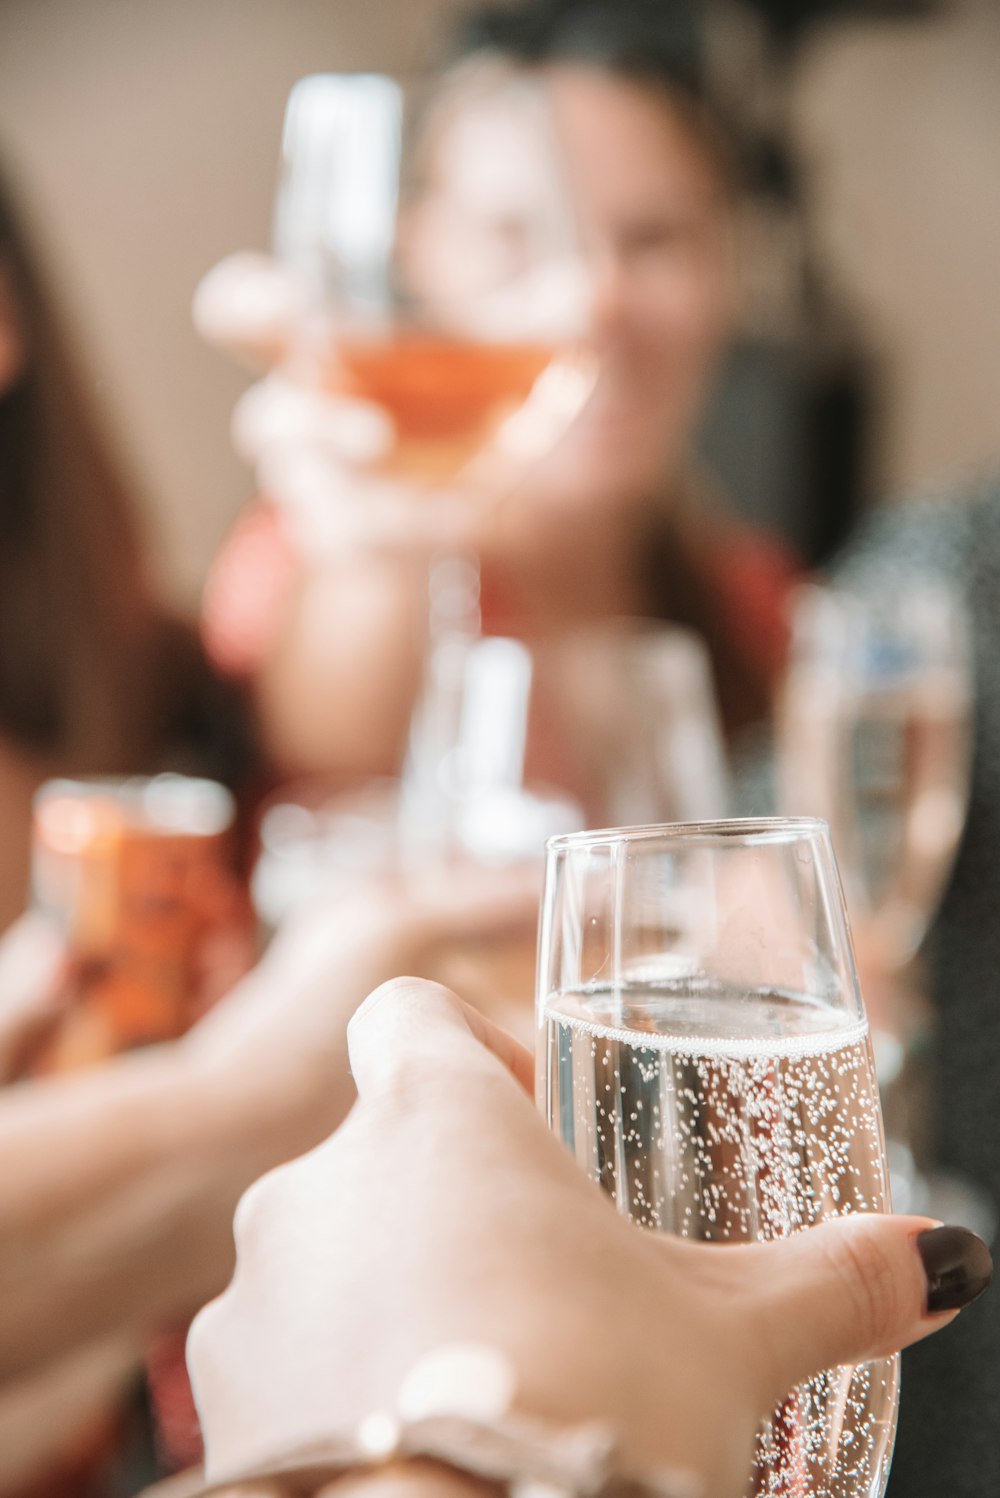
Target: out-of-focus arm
[(117, 1189)]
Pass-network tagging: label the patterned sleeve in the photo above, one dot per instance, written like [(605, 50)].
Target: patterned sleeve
[(942, 533), (931, 534)]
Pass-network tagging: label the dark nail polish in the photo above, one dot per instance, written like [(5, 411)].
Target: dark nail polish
[(957, 1265)]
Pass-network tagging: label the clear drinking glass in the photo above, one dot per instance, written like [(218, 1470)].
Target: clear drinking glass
[(703, 1051), (874, 735), (621, 716), (438, 247)]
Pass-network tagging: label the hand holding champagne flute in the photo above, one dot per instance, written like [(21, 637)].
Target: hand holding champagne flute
[(439, 274), (436, 281), (458, 1238), (704, 1054)]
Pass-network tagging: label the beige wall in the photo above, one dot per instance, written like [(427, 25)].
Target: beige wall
[(147, 131), (902, 129)]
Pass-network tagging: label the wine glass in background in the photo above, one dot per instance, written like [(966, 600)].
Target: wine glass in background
[(639, 704), (436, 246), (437, 291), (620, 716), (518, 747), (874, 735), (443, 297), (703, 1051), (318, 843), (468, 786)]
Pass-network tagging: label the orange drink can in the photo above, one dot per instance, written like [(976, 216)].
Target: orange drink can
[(139, 875)]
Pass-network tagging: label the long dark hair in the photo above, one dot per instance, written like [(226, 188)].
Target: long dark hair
[(75, 610), (658, 44), (95, 674), (660, 38)]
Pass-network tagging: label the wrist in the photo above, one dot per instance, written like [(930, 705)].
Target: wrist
[(209, 1110), (269, 1065), (242, 1090), (409, 1478)]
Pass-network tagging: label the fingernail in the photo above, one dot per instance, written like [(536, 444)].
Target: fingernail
[(957, 1265)]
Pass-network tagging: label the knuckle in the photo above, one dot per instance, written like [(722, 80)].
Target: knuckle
[(203, 1336), (252, 1490), (250, 1211), (393, 1000), (395, 991), (868, 1273), (262, 1212)]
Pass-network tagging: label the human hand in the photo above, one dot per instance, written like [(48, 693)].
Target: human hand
[(52, 1019), (34, 989), (325, 458), (278, 1041), (444, 1212), (335, 462), (249, 305)]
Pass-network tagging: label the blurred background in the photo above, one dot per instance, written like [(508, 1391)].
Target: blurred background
[(493, 664), (144, 136)]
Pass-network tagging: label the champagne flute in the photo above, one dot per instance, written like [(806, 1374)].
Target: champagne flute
[(639, 702), (875, 736), (704, 1052)]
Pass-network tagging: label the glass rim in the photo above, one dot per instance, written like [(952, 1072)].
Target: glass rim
[(166, 780), (165, 799), (752, 830)]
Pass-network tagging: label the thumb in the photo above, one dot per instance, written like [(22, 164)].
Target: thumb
[(34, 978), (856, 1288), (33, 960), (248, 304), (409, 1029)]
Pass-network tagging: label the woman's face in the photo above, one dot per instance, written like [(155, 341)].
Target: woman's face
[(653, 223)]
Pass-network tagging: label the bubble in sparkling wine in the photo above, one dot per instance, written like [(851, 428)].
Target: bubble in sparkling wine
[(731, 1117)]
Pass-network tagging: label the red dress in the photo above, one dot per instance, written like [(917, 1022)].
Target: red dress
[(744, 579)]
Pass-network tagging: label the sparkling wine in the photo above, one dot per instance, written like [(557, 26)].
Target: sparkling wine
[(729, 1116)]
